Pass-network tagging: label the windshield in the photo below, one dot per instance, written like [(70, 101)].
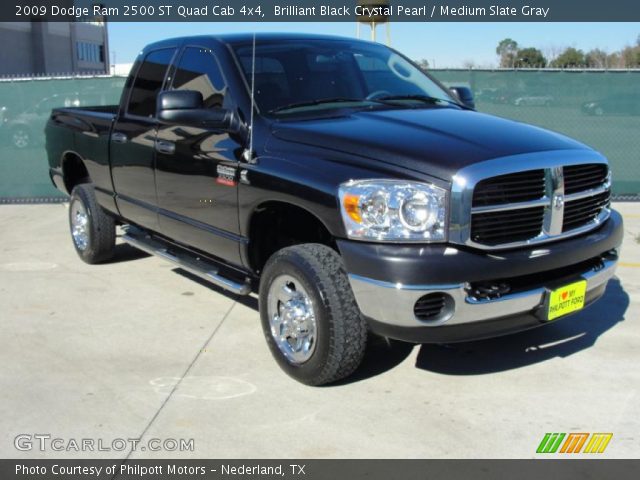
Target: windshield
[(306, 76)]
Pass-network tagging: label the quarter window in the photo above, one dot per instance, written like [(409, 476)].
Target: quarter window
[(198, 70)]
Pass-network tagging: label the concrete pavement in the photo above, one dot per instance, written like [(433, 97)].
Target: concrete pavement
[(139, 349)]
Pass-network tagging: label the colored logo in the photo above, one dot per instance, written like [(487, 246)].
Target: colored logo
[(574, 443)]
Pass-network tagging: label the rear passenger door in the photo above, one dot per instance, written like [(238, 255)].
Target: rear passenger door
[(132, 153), (197, 168)]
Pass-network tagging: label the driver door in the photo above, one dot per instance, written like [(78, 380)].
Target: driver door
[(197, 168)]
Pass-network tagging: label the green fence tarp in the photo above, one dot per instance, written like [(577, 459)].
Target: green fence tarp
[(599, 108), (25, 106)]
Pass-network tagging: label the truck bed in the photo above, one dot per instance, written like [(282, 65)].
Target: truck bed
[(85, 131)]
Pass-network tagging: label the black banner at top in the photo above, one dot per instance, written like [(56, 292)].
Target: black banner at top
[(321, 10)]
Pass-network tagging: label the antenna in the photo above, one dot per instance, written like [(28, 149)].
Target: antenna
[(248, 154)]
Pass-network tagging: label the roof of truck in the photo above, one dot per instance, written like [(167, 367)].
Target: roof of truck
[(247, 37)]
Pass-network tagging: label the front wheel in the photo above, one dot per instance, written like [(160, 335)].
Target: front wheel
[(310, 318)]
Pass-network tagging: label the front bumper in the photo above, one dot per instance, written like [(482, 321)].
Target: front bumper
[(388, 280)]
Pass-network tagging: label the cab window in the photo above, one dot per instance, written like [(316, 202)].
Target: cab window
[(148, 83)]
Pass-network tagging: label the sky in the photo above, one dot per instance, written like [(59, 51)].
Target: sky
[(442, 44)]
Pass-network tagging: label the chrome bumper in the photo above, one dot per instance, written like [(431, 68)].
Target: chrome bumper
[(392, 304)]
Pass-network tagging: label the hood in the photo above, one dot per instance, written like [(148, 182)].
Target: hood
[(435, 141)]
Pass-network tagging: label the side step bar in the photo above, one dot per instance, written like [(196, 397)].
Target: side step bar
[(189, 262)]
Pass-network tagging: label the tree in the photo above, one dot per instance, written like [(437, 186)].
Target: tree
[(423, 64), (613, 60), (570, 58), (597, 58), (551, 52), (630, 57), (507, 50), (530, 58)]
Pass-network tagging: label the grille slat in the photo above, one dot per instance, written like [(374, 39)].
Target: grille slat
[(572, 213), (576, 213), (581, 186), (578, 178), (580, 215), (511, 188), (580, 212), (515, 229), (514, 182), (493, 228), (490, 222), (501, 227), (513, 198), (514, 235)]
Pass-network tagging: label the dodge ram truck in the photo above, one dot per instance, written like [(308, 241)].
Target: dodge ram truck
[(348, 189)]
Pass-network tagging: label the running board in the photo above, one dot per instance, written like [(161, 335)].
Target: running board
[(201, 268)]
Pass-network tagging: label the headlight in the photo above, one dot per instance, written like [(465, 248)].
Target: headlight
[(393, 211)]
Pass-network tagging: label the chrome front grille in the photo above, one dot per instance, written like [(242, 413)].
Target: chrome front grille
[(538, 205)]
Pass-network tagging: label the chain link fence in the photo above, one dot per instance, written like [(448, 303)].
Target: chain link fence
[(599, 108)]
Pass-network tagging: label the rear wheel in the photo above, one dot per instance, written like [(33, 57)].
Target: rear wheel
[(309, 315), (92, 230)]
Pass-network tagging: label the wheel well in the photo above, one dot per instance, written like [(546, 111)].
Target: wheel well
[(276, 225), (74, 172)]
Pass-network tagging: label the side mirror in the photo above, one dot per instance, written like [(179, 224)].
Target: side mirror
[(186, 107), (465, 95)]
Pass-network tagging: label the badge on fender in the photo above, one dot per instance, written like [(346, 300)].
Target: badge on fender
[(226, 175)]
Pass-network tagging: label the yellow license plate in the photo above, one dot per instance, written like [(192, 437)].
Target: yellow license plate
[(567, 299)]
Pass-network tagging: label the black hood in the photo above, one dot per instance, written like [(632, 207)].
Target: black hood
[(436, 141)]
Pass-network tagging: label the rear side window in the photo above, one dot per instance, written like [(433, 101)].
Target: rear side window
[(198, 70), (148, 83)]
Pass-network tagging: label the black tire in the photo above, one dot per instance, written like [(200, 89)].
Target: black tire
[(341, 330), (100, 227)]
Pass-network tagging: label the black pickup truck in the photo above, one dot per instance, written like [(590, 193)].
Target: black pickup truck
[(352, 191)]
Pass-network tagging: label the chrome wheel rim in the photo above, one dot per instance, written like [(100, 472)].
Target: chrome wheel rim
[(79, 225), (292, 319), (20, 138)]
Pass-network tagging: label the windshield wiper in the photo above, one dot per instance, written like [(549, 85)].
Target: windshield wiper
[(320, 101), (421, 98)]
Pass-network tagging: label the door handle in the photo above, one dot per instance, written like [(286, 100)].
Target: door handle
[(119, 137), (162, 146)]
